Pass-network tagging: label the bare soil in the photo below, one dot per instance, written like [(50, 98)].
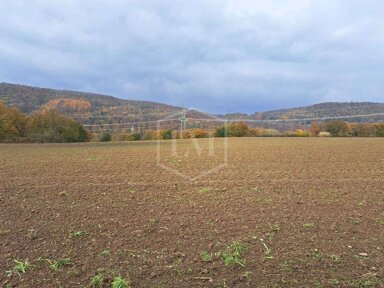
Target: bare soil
[(310, 213)]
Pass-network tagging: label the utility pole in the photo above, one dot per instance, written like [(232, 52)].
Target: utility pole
[(183, 122)]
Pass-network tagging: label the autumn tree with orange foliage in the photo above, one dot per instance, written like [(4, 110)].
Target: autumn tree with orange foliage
[(68, 105), (13, 124), (315, 129), (45, 126)]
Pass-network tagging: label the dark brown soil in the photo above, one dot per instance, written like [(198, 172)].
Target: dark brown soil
[(316, 204)]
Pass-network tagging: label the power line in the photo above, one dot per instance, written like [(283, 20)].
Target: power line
[(307, 119), (241, 120)]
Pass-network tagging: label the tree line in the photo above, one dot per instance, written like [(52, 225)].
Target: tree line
[(332, 128), (47, 126)]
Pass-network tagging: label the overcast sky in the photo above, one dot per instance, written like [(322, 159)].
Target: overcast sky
[(217, 55)]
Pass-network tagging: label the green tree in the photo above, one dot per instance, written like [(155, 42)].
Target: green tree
[(166, 134), (221, 132), (337, 128), (105, 137)]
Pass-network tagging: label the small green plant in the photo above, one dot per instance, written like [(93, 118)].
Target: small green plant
[(309, 225), (316, 254), (204, 190), (205, 256), (334, 282), (32, 234), (267, 252), (234, 254), (105, 252), (56, 265), (78, 234), (97, 281), (285, 266), (119, 282), (364, 283), (273, 230), (334, 257), (21, 266)]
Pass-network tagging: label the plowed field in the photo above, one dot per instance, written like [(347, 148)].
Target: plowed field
[(282, 212)]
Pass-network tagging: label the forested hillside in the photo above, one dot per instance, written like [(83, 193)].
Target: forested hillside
[(323, 110), (90, 108), (87, 108)]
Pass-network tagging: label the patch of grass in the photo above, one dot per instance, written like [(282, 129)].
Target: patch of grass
[(97, 281), (354, 220), (273, 230), (363, 283), (309, 225), (234, 254), (20, 267), (205, 256), (334, 282), (316, 254), (204, 190), (105, 252), (32, 234), (56, 265), (131, 191), (119, 282), (318, 284), (334, 257), (379, 221), (91, 159), (285, 266), (78, 234)]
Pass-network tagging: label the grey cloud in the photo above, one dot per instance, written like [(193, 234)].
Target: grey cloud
[(219, 56)]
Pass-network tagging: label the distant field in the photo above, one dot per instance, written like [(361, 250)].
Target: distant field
[(284, 212)]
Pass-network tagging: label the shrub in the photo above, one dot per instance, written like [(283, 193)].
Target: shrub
[(270, 133), (221, 132), (324, 134), (301, 133), (149, 135), (134, 137), (379, 129), (200, 133), (166, 134), (254, 132), (185, 134), (105, 137), (238, 129)]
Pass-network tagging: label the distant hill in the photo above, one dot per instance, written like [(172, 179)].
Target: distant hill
[(318, 111), (323, 110), (90, 108), (87, 108)]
